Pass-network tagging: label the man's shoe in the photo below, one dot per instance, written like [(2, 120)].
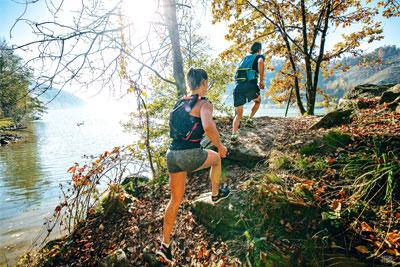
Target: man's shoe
[(165, 253), (223, 193), (250, 123)]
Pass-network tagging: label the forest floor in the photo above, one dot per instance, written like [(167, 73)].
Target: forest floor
[(319, 192)]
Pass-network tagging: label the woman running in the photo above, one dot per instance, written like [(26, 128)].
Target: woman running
[(189, 120)]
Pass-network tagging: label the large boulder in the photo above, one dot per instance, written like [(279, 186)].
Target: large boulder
[(367, 91), (333, 119), (390, 95), (353, 104), (221, 218), (254, 144)]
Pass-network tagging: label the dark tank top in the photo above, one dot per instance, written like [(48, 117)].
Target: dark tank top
[(186, 131)]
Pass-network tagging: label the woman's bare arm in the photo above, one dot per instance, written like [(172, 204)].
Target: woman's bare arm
[(210, 128)]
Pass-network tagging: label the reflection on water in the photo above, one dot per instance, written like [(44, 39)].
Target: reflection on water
[(15, 163), (31, 171)]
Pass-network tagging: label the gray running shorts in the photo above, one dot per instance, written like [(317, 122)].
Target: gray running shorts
[(185, 160)]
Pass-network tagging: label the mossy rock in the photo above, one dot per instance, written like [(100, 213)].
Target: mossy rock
[(222, 218), (334, 118), (390, 95), (328, 143), (131, 185), (115, 202), (253, 145)]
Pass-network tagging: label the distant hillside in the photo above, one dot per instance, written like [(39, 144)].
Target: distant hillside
[(63, 100), (386, 71)]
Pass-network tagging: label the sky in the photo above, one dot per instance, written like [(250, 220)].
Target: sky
[(141, 11)]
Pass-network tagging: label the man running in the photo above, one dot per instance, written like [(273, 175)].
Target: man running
[(247, 86)]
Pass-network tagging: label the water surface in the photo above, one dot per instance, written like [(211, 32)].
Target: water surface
[(31, 171)]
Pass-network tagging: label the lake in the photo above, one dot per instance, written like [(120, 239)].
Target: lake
[(31, 171)]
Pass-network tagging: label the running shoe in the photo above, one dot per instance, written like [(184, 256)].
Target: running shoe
[(223, 193), (249, 122), (165, 253)]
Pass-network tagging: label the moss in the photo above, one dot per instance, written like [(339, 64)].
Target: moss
[(5, 123), (336, 139), (320, 165), (309, 149), (302, 165), (327, 144), (272, 178), (281, 162)]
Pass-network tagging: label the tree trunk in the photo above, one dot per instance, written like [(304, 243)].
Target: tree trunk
[(313, 91), (307, 57), (173, 32)]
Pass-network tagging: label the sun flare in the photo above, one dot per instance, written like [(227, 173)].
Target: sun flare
[(140, 12)]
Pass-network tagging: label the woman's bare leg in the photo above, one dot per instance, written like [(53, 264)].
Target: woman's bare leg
[(177, 184), (213, 161)]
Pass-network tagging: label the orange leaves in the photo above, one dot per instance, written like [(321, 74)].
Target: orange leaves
[(308, 184), (330, 160), (374, 122), (365, 227), (72, 169), (393, 237), (362, 249), (393, 251)]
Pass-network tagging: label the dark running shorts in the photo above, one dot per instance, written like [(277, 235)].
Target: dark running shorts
[(245, 92), (186, 160)]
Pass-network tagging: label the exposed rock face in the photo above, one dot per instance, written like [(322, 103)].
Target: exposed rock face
[(367, 91), (334, 118), (219, 218), (254, 143), (390, 95)]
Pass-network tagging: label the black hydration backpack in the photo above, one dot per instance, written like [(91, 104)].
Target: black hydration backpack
[(183, 125)]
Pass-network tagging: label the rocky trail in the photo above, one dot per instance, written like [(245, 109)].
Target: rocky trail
[(288, 208)]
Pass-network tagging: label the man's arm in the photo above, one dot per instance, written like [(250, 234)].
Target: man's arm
[(261, 72)]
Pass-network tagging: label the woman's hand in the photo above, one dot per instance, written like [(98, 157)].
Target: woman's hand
[(222, 151)]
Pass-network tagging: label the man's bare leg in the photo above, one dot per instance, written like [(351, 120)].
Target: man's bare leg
[(256, 106), (236, 120)]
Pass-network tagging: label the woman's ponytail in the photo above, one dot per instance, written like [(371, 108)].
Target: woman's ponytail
[(195, 77)]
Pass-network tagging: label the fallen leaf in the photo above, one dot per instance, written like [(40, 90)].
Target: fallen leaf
[(393, 237), (365, 227), (330, 160), (392, 251), (362, 249)]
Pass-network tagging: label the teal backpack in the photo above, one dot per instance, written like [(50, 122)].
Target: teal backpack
[(245, 70)]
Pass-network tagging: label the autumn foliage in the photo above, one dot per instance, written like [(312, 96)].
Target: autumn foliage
[(297, 31)]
